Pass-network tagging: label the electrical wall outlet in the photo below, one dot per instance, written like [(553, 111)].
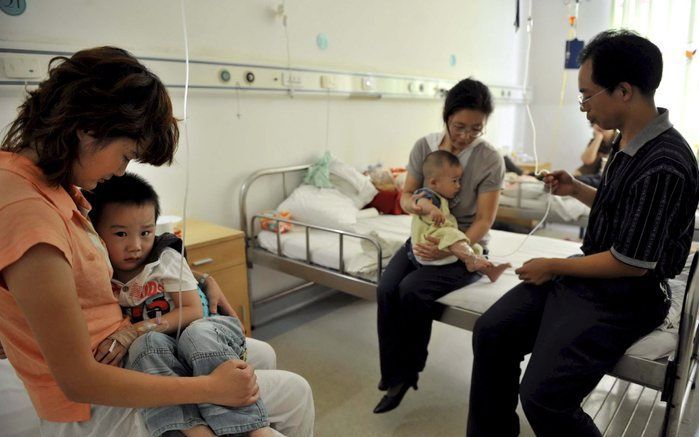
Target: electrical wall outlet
[(327, 81), (22, 67)]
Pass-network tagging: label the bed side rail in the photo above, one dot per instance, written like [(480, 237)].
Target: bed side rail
[(683, 365), (307, 229)]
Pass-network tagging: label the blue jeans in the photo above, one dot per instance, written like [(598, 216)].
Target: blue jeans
[(203, 345)]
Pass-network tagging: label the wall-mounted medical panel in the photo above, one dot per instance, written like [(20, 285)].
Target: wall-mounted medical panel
[(29, 66)]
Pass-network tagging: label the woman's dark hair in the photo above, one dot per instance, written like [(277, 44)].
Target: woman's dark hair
[(104, 91), (620, 55), (129, 189), (468, 94)]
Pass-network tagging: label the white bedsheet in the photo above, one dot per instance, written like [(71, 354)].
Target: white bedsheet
[(17, 416), (478, 297)]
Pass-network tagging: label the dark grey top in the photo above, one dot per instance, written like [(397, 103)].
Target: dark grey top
[(484, 171), (644, 208)]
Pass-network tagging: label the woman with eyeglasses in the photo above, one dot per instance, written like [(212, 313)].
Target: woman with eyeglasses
[(406, 294)]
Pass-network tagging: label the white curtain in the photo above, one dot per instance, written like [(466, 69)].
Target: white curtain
[(673, 25)]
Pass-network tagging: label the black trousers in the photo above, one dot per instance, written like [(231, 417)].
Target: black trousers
[(406, 298), (576, 329)]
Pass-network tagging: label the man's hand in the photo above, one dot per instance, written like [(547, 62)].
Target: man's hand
[(561, 183), (535, 271)]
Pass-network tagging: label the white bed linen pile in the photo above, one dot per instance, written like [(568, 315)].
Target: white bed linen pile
[(394, 230)]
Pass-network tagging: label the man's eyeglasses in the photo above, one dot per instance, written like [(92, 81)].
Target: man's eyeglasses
[(582, 99), (470, 131)]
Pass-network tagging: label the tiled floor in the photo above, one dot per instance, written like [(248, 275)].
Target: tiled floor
[(333, 344)]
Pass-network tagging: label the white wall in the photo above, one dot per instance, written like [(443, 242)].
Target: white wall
[(562, 130), (409, 37)]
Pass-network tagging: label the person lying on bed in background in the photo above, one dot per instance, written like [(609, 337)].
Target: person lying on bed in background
[(98, 109), (154, 287), (406, 294), (577, 316), (442, 172)]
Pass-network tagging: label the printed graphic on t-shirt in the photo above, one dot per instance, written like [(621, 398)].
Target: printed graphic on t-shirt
[(145, 301)]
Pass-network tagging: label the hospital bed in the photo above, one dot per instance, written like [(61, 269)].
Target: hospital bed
[(524, 201), (351, 261)]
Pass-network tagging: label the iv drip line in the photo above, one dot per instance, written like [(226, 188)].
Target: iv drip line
[(186, 139), (530, 23)]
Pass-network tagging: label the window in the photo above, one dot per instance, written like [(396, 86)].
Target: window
[(673, 25)]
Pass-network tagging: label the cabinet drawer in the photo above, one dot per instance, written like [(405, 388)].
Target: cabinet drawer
[(234, 284), (215, 255)]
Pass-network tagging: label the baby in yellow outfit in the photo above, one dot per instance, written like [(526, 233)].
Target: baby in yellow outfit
[(442, 172)]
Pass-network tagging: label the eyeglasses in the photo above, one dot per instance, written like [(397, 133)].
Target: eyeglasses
[(473, 132), (582, 99)]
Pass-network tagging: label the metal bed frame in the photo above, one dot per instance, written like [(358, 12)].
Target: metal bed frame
[(672, 377)]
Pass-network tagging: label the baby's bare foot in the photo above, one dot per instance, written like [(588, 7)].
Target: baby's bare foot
[(493, 272)]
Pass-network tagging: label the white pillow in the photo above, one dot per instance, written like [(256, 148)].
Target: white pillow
[(321, 206), (352, 183)]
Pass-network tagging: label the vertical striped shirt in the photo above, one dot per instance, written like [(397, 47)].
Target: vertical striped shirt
[(644, 208)]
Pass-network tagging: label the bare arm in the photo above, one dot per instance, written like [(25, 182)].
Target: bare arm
[(599, 265), (435, 214), (486, 210), (59, 327), (407, 199), (589, 155)]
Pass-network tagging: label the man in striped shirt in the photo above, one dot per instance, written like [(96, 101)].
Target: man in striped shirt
[(578, 315)]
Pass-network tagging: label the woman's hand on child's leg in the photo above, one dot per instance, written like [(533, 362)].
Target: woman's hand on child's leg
[(234, 384)]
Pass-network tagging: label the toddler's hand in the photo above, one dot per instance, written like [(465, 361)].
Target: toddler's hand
[(110, 352), (437, 217)]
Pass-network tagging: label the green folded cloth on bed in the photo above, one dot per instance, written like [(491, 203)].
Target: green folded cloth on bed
[(319, 173)]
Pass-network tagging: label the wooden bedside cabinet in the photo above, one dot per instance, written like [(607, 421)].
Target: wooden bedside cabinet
[(220, 252)]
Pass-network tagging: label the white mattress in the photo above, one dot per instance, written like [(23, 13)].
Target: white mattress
[(394, 230)]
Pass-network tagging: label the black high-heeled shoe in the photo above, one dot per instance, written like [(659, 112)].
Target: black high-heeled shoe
[(389, 402)]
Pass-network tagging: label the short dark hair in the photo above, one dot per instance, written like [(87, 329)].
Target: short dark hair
[(129, 189), (105, 91), (621, 55), (468, 94), (437, 160)]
